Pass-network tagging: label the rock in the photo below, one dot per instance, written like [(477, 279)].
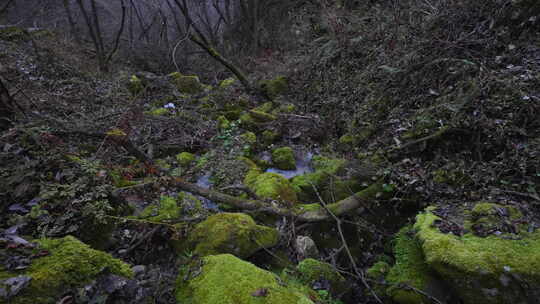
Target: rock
[(270, 185), (187, 84), (274, 87), (66, 263), (439, 257), (283, 158), (234, 233), (306, 247), (185, 159), (138, 270), (313, 271), (225, 279), (12, 286), (269, 137), (491, 269)]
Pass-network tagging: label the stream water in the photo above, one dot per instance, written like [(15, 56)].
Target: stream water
[(204, 182)]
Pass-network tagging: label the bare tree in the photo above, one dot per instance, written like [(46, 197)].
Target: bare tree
[(91, 17)]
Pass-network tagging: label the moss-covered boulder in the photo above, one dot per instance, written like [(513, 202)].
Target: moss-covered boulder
[(185, 159), (312, 270), (68, 263), (269, 185), (274, 87), (187, 84), (166, 209), (225, 279), (502, 268), (223, 123), (283, 158), (234, 233), (410, 270), (269, 137), (325, 169)]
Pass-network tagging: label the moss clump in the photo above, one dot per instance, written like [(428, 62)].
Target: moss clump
[(265, 107), (249, 138), (185, 159), (274, 87), (260, 116), (167, 209), (410, 269), (268, 137), (312, 270), (69, 264), (234, 233), (378, 271), (226, 279), (286, 108), (223, 123), (283, 158), (247, 122), (225, 83), (270, 185), (325, 168), (135, 85), (158, 112), (187, 84), (482, 269)]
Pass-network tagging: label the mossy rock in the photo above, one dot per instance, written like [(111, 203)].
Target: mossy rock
[(491, 269), (187, 84), (411, 270), (324, 168), (274, 87), (312, 270), (261, 117), (283, 158), (234, 233), (225, 279), (68, 264), (270, 185), (269, 137), (166, 209), (185, 159), (266, 107), (247, 122), (223, 123), (285, 108), (249, 138)]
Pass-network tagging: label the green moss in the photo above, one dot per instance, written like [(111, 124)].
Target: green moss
[(347, 139), (260, 116), (234, 233), (223, 123), (265, 107), (274, 87), (312, 270), (410, 269), (283, 158), (69, 264), (269, 185), (247, 122), (185, 159), (135, 85), (378, 271), (225, 279), (268, 137), (324, 168), (286, 108), (509, 270), (249, 138), (167, 209), (227, 82), (158, 112), (191, 205), (187, 84)]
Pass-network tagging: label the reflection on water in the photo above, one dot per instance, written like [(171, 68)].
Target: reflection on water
[(303, 166), (204, 182)]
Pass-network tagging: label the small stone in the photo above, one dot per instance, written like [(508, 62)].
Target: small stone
[(138, 270), (306, 247)]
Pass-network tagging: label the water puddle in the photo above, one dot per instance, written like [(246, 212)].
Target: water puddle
[(204, 182), (303, 166)]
